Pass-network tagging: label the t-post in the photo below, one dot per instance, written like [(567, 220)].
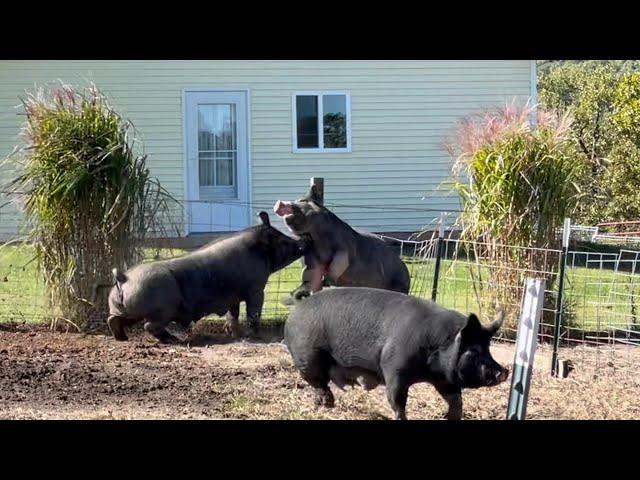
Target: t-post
[(526, 342)]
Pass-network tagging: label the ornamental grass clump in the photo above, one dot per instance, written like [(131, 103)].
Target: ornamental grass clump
[(517, 182), (87, 196)]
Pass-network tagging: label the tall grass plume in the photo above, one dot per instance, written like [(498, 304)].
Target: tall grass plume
[(518, 177), (87, 195)]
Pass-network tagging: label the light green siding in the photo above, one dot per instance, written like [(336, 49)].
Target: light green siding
[(401, 111)]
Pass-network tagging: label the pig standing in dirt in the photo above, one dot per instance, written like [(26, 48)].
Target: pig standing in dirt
[(213, 279), (369, 337), (339, 253)]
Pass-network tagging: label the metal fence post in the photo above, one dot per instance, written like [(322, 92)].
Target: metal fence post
[(439, 249), (527, 339), (566, 234), (317, 184)]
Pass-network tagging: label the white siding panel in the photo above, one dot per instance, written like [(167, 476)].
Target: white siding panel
[(401, 112)]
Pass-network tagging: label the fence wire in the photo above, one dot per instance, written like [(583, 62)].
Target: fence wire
[(601, 329), (479, 277), (599, 318)]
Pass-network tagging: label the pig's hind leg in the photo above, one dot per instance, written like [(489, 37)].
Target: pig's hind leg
[(232, 323), (116, 325), (316, 370), (156, 325), (324, 397), (254, 304), (395, 380)]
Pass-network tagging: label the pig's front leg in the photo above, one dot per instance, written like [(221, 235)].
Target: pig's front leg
[(397, 393), (254, 310), (339, 264), (312, 275), (311, 280), (232, 323), (453, 396)]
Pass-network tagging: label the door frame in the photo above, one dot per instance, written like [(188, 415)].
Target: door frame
[(185, 159)]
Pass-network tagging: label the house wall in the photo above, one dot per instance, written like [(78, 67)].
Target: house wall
[(401, 111)]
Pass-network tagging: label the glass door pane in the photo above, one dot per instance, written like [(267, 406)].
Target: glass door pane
[(217, 150)]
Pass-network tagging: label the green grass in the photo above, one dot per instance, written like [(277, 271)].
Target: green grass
[(600, 298), (22, 294)]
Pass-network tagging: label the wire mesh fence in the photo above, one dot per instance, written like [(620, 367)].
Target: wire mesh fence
[(601, 330), (23, 296), (598, 315), (481, 277)]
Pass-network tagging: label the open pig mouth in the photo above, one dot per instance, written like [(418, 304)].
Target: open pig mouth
[(283, 209)]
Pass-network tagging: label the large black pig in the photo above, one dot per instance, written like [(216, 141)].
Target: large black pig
[(213, 279), (339, 253), (370, 336)]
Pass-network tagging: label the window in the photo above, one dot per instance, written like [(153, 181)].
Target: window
[(321, 122)]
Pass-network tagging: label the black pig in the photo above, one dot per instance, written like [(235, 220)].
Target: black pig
[(369, 337), (213, 279), (339, 253)]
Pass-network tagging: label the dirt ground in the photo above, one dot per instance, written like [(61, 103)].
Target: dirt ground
[(52, 375)]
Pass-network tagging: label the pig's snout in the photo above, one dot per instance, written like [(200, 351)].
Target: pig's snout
[(282, 208), (495, 376), (499, 376)]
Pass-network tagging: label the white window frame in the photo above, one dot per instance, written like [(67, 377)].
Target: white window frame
[(294, 122)]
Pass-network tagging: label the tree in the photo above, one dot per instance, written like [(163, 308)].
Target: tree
[(624, 172), (626, 108), (589, 89)]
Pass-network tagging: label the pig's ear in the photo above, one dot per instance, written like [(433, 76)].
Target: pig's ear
[(265, 218), (314, 196), (494, 326), (472, 327)]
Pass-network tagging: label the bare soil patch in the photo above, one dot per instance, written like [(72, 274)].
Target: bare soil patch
[(55, 375)]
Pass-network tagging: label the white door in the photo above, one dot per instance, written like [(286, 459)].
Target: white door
[(217, 161)]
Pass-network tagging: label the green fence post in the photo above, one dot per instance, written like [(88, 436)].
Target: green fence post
[(439, 248), (532, 304), (566, 234)]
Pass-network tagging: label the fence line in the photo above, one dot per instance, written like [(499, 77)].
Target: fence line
[(239, 215), (599, 316)]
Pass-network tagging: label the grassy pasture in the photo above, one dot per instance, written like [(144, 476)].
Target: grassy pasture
[(600, 297)]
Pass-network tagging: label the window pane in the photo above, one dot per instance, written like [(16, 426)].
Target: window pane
[(207, 161), (226, 123), (334, 108), (217, 147), (224, 170), (307, 121)]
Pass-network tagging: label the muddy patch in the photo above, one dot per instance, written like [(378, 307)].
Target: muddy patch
[(46, 375)]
